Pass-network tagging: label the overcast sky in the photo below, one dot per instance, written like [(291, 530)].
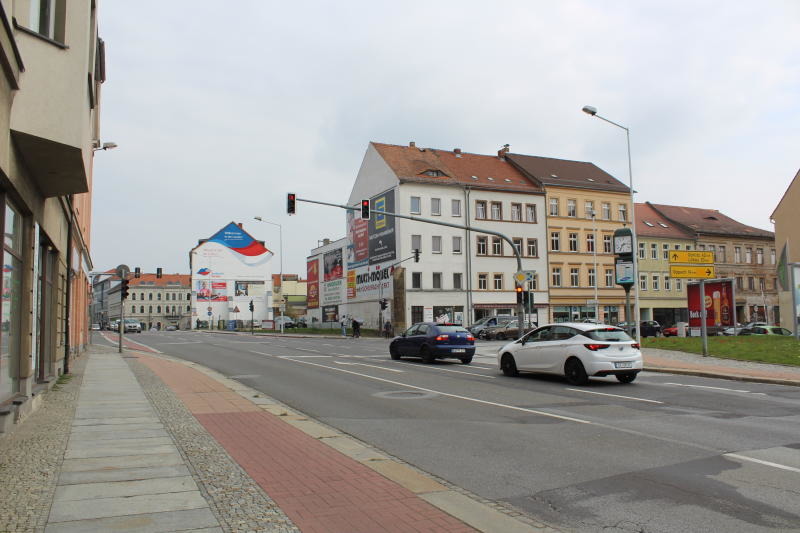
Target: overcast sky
[(220, 109)]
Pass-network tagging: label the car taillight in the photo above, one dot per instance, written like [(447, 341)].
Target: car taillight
[(595, 347), (470, 338), (635, 345), (442, 337)]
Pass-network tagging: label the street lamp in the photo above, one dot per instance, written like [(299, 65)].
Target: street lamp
[(280, 246), (590, 110), (594, 250)]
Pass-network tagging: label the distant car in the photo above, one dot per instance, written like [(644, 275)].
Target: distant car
[(506, 330), (171, 328), (574, 350), (670, 332), (287, 321), (114, 326), (765, 330), (432, 341), (478, 329), (95, 327), (132, 326), (739, 327)]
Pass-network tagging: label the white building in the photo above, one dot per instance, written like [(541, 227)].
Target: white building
[(230, 270), (461, 275)]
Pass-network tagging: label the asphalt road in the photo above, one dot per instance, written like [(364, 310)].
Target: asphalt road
[(665, 453)]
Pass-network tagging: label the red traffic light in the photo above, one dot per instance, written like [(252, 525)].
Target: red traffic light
[(365, 209), (291, 203)]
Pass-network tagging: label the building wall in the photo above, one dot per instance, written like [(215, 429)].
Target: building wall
[(662, 299), (786, 218)]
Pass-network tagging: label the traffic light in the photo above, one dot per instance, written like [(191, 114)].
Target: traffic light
[(384, 303), (520, 294), (137, 272), (124, 289), (291, 201), (416, 255), (252, 307), (159, 272), (365, 209)]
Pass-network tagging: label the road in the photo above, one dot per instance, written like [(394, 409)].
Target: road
[(666, 453)]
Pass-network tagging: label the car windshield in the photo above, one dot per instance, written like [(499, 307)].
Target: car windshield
[(131, 321), (452, 329), (607, 334)]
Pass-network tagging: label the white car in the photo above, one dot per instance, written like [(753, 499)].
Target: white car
[(574, 350)]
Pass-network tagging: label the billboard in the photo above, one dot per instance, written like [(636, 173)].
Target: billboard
[(312, 283), (357, 240), (382, 238), (718, 301), (332, 264), (211, 291), (370, 282)]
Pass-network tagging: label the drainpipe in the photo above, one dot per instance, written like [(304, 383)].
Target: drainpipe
[(68, 292), (468, 252)]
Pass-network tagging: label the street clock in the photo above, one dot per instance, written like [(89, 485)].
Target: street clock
[(623, 242)]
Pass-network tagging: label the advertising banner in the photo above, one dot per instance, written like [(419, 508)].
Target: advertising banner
[(357, 240), (249, 288), (330, 313), (718, 301), (370, 282), (312, 284), (333, 292), (212, 291), (382, 238), (332, 263)]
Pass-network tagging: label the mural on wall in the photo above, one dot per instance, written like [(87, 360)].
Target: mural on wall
[(248, 250)]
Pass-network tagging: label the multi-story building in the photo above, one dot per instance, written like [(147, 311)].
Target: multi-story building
[(660, 298), (786, 219), (741, 252), (159, 302), (291, 291), (461, 275), (53, 67), (584, 206)]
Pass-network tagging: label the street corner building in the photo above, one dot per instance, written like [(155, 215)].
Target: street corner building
[(230, 270), (49, 116)]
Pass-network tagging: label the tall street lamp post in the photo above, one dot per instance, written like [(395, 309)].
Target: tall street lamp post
[(280, 247), (589, 110)]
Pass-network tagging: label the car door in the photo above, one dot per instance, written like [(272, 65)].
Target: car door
[(558, 348), (419, 338), (403, 341), (530, 354)]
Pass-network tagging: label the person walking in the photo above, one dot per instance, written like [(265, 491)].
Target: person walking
[(387, 329), (356, 329), (344, 325)]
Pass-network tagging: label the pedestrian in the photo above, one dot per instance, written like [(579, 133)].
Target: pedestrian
[(344, 325), (387, 329), (356, 328)]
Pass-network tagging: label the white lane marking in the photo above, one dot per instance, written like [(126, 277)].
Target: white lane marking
[(325, 344), (713, 388), (127, 339), (616, 395), (457, 396), (761, 462), (303, 356), (449, 370), (358, 356), (187, 342), (371, 366)]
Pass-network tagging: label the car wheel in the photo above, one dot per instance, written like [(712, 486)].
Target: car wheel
[(427, 356), (574, 372), (627, 377), (508, 365), (466, 360), (393, 353), (501, 336)]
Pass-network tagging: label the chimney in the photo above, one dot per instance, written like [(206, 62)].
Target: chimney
[(240, 225), (326, 241), (457, 151), (503, 151), (412, 144)]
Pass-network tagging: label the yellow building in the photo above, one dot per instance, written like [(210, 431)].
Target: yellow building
[(786, 219), (584, 207), (293, 290)]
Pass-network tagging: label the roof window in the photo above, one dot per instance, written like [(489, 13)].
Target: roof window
[(649, 224), (434, 173), (475, 177), (662, 225), (508, 180), (489, 178), (589, 179)]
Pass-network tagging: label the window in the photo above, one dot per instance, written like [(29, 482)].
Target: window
[(517, 244), (497, 246), (739, 283), (415, 205), (588, 207), (678, 284), (689, 247), (553, 207), (772, 257), (572, 210), (737, 254), (188, 308), (158, 296), (497, 211), (606, 207), (642, 253), (530, 213), (483, 282), (47, 18), (188, 295), (643, 282), (609, 277), (141, 296), (713, 250), (656, 282), (667, 283), (623, 213), (573, 242), (133, 309), (751, 285), (133, 296), (149, 308), (482, 245), (457, 280), (607, 244), (173, 296), (721, 255), (436, 206), (455, 207), (149, 295), (677, 246), (590, 242), (556, 282), (416, 242), (516, 212), (574, 277), (498, 282), (701, 246), (480, 210), (437, 280), (591, 277), (456, 245), (416, 280), (533, 248), (653, 251), (759, 256), (748, 255), (417, 313), (158, 309), (436, 244), (762, 284), (141, 309), (665, 251), (534, 283), (555, 241)]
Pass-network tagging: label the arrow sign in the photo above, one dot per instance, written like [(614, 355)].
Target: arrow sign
[(691, 257), (697, 272)]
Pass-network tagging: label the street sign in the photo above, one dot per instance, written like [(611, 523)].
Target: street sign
[(236, 309), (699, 272), (624, 271), (282, 307), (209, 313), (123, 271), (523, 276), (691, 257)]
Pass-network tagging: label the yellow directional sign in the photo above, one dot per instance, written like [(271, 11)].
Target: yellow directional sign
[(699, 272), (691, 257)]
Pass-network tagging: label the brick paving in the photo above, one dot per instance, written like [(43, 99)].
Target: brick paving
[(319, 488)]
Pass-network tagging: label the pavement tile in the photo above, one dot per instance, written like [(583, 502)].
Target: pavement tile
[(115, 451), (122, 474), (170, 521), (117, 489), (65, 511), (120, 435), (116, 421), (122, 461)]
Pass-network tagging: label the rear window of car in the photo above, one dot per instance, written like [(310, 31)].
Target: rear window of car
[(607, 334), (451, 329)]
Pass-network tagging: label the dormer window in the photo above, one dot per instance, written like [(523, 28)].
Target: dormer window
[(434, 173), (710, 218)]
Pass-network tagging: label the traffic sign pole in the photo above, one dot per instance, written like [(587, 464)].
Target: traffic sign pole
[(703, 317)]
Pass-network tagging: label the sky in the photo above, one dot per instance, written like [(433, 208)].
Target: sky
[(220, 109)]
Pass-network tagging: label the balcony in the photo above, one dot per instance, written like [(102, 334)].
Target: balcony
[(56, 168)]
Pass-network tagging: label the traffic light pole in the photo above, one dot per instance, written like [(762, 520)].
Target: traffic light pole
[(520, 303), (121, 317)]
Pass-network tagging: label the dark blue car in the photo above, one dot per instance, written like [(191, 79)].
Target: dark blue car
[(432, 341)]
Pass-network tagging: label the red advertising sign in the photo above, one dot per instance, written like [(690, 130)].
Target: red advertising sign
[(312, 285), (718, 301)]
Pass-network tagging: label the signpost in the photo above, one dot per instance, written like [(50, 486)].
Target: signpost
[(122, 271), (701, 266), (691, 257), (694, 272)]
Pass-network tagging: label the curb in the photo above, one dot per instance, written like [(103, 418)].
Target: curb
[(721, 375)]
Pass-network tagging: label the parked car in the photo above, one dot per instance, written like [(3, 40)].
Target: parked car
[(739, 327), (647, 328), (132, 326), (478, 328), (171, 328), (670, 331), (287, 321), (765, 330), (506, 330), (114, 326), (95, 327), (574, 350), (432, 341)]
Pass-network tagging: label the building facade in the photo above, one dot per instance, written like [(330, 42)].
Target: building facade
[(786, 219), (158, 302), (49, 126), (291, 291)]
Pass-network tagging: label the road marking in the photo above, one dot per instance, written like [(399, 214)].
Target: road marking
[(449, 370), (302, 356), (126, 339), (714, 388), (187, 342), (615, 395), (457, 396), (761, 462), (371, 366)]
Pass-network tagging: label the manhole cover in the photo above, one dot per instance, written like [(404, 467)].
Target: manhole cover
[(405, 395)]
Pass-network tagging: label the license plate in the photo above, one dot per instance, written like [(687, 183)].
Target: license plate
[(624, 364), (458, 350)]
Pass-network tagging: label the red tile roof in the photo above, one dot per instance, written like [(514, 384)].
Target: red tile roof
[(184, 280), (411, 163), (565, 173), (709, 221), (650, 223)]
